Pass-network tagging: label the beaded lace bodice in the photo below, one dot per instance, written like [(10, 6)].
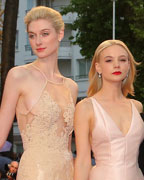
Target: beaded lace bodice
[(46, 128), (48, 125), (43, 131)]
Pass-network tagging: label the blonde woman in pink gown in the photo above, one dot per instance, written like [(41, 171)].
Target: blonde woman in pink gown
[(44, 102), (107, 122)]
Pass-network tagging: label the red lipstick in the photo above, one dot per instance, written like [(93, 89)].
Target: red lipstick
[(40, 49), (116, 73)]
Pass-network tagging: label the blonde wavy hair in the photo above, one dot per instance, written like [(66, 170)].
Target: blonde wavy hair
[(96, 82), (42, 12)]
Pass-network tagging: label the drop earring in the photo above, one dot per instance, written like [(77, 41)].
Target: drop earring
[(99, 75), (125, 79)]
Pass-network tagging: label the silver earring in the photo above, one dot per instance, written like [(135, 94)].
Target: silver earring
[(99, 75), (127, 76), (124, 81)]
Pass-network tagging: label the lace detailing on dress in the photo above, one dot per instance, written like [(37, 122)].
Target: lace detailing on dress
[(46, 141), (44, 130), (49, 124)]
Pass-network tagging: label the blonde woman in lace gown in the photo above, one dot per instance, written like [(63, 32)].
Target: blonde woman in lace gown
[(44, 102), (107, 122)]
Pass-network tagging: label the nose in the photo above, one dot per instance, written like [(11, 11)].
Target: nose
[(38, 40), (116, 64)]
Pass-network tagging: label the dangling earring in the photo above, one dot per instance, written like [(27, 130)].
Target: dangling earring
[(99, 75), (124, 80)]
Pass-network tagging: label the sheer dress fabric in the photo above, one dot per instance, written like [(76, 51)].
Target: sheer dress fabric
[(45, 135)]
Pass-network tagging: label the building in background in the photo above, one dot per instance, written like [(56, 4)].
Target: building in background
[(71, 63)]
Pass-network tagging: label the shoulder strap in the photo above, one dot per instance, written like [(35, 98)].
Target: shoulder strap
[(39, 71), (41, 89), (96, 107)]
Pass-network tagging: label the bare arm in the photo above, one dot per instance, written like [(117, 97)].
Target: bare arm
[(82, 135), (8, 105)]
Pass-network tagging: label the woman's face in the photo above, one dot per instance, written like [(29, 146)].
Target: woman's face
[(113, 64), (43, 38)]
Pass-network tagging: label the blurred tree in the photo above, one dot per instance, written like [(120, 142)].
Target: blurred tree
[(1, 26), (94, 25), (1, 21), (8, 44), (9, 36)]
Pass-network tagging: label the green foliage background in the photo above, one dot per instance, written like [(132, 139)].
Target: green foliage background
[(94, 25)]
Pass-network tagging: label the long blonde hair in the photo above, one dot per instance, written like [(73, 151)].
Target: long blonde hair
[(96, 82), (42, 12)]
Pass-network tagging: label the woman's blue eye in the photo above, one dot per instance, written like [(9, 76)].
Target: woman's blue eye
[(31, 36), (45, 34)]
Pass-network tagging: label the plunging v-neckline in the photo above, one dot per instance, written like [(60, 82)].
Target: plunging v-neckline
[(129, 129)]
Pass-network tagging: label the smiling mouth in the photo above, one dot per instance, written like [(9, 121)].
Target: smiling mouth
[(116, 73)]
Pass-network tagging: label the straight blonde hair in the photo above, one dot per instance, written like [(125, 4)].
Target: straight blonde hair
[(96, 82)]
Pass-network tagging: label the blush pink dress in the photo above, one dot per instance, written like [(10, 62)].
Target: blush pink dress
[(116, 155)]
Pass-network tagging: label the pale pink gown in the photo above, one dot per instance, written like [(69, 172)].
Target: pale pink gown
[(116, 155)]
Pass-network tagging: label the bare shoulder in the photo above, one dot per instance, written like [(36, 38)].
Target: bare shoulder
[(84, 114), (72, 84), (86, 102), (18, 73), (15, 80), (84, 106), (138, 105), (73, 88)]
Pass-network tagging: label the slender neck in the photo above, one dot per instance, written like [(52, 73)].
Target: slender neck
[(111, 91), (48, 66)]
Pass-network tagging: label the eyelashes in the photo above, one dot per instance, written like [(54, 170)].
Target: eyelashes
[(121, 60), (43, 34)]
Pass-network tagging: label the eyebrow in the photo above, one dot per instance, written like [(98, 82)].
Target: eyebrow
[(40, 30), (108, 57), (112, 56)]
